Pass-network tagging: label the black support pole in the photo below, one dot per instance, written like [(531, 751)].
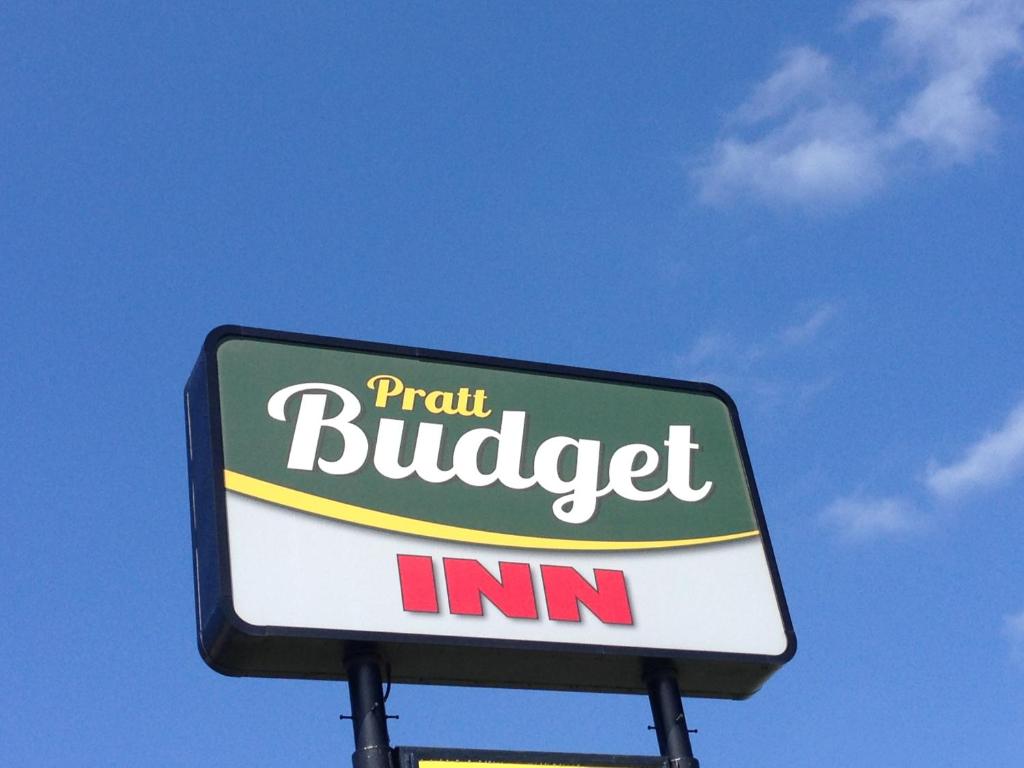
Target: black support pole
[(669, 720), (369, 719)]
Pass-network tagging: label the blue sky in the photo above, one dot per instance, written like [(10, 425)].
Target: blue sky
[(817, 206)]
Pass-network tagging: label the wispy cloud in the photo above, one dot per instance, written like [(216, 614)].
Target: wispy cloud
[(722, 352), (1013, 628), (762, 370), (958, 43), (714, 355), (825, 152), (807, 331), (800, 137), (992, 460), (860, 518), (803, 73), (996, 458)]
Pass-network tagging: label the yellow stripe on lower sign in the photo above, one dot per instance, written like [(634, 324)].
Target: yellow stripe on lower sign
[(372, 518)]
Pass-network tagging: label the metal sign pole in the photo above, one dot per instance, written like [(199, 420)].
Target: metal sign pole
[(369, 719), (669, 720)]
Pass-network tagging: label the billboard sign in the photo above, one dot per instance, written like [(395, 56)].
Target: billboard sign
[(430, 757), (484, 521)]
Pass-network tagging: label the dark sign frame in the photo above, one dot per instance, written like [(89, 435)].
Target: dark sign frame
[(234, 647)]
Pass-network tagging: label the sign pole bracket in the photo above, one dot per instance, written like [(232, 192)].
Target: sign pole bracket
[(369, 718), (667, 709)]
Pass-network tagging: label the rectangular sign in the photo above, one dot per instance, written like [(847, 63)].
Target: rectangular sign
[(483, 521), (430, 757)]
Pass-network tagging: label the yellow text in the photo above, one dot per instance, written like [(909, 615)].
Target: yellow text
[(461, 402)]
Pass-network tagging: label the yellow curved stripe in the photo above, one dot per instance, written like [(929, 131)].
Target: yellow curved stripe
[(350, 513)]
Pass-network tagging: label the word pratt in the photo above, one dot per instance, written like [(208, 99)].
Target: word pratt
[(462, 403), (468, 582), (577, 496)]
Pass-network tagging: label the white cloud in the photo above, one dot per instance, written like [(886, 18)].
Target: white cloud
[(804, 72), (708, 347), (764, 372), (807, 331), (1013, 628), (716, 356), (950, 118), (958, 43), (860, 518), (827, 154), (801, 139), (724, 356), (994, 459), (969, 36)]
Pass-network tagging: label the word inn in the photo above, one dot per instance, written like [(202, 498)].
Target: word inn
[(467, 582)]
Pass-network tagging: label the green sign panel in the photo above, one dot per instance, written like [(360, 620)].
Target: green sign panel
[(478, 454)]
